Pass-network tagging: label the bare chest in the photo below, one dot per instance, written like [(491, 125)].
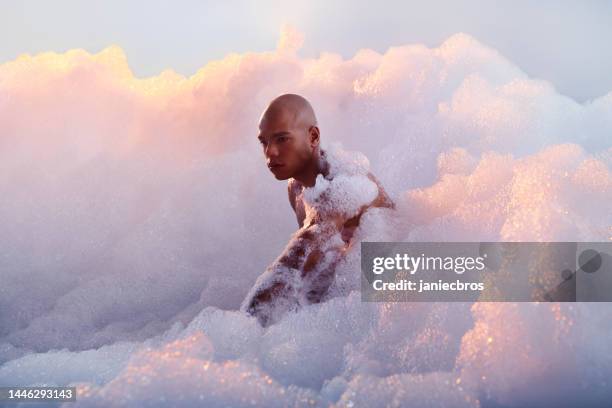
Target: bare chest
[(300, 211)]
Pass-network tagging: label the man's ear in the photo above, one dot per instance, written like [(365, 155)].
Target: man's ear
[(314, 136)]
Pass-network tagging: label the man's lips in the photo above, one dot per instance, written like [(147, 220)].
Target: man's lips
[(275, 166)]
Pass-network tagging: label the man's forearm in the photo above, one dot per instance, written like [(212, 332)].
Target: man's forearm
[(304, 271), (314, 253), (310, 246)]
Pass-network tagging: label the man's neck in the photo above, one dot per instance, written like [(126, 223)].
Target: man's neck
[(308, 176)]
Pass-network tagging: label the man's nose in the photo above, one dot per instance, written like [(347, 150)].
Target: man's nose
[(271, 150)]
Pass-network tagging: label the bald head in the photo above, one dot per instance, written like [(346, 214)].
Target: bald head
[(289, 134), (295, 108)]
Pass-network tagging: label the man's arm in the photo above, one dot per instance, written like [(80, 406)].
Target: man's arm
[(383, 199), (306, 268), (302, 273)]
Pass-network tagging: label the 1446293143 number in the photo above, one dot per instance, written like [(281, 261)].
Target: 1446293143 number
[(37, 393)]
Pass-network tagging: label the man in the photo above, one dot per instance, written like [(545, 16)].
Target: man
[(290, 139)]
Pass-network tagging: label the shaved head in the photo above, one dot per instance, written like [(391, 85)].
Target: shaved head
[(289, 135), (296, 107)]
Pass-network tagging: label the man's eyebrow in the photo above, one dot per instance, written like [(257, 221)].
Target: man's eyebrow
[(282, 133), (277, 134)]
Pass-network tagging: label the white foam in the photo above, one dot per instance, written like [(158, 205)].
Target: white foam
[(137, 213)]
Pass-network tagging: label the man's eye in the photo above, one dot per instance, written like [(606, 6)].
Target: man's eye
[(281, 139), (262, 142)]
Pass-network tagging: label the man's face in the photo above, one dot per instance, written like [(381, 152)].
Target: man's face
[(286, 147)]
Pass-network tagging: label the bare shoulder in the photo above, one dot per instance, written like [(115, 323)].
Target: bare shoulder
[(383, 199)]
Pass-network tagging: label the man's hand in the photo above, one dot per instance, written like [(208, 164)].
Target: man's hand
[(263, 297)]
